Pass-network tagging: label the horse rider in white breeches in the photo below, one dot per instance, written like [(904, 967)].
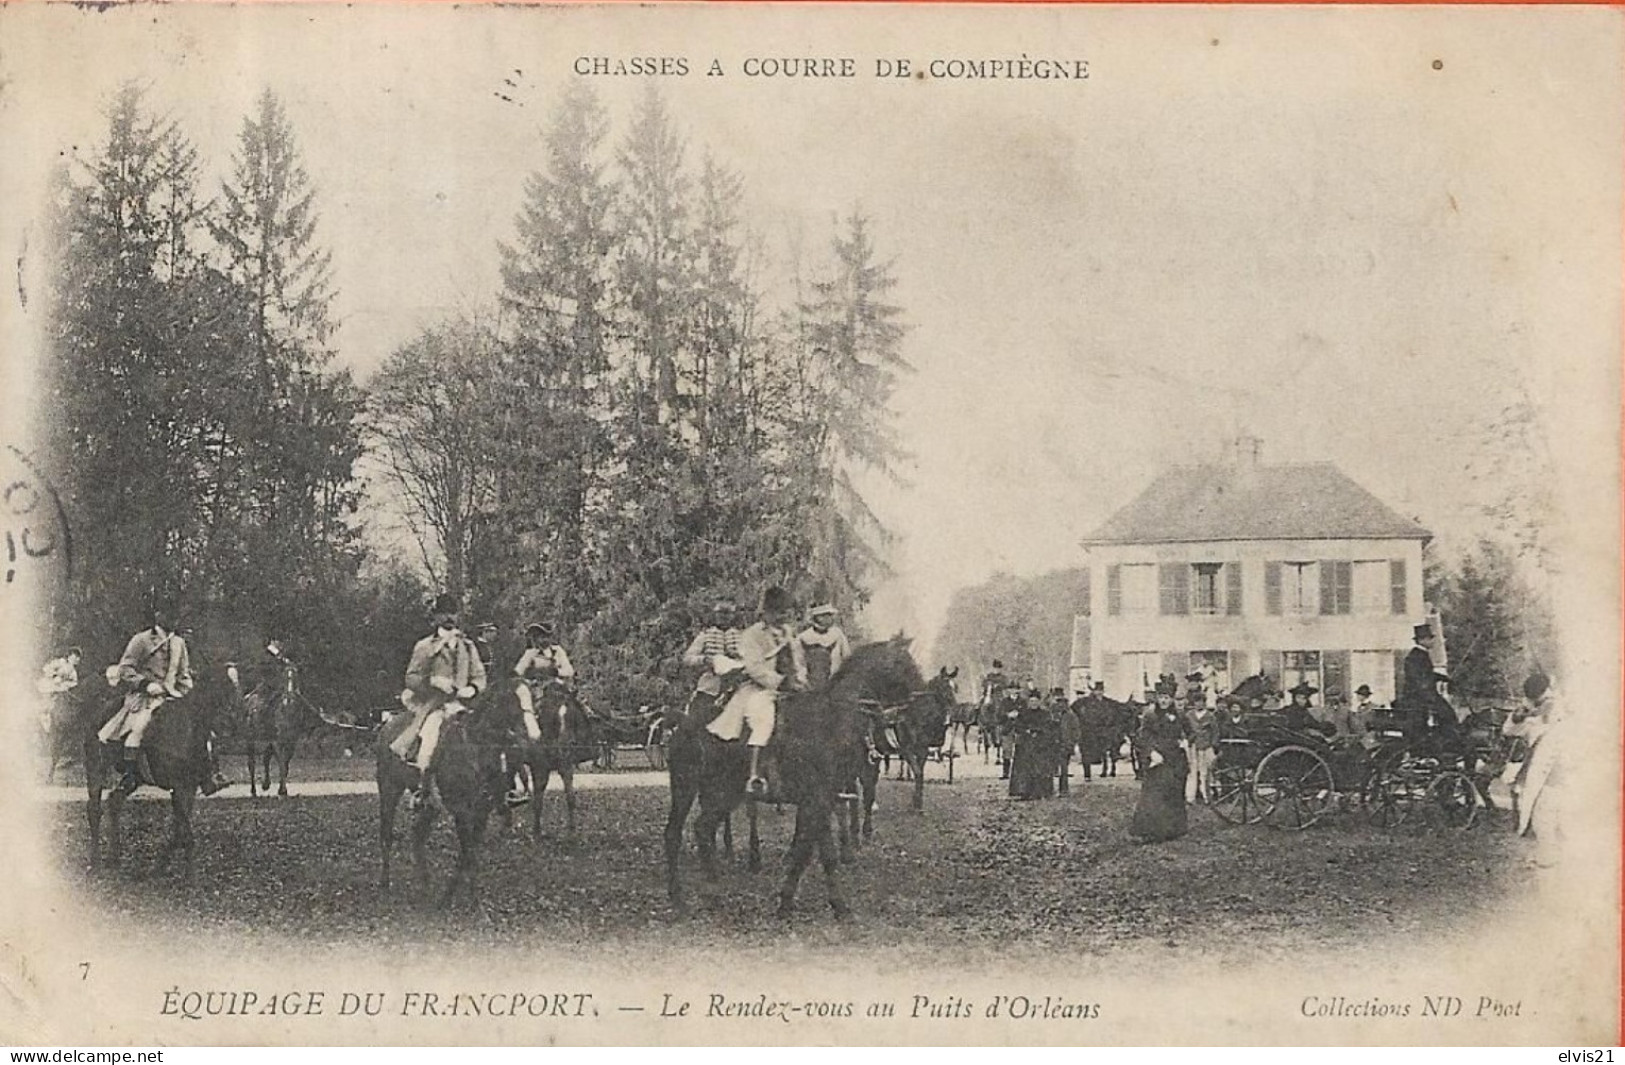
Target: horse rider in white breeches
[(155, 669), (445, 670), (753, 706)]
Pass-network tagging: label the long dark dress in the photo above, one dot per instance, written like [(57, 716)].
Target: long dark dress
[(1032, 768), (1160, 813)]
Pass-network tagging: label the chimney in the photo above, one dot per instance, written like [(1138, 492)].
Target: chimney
[(1246, 451)]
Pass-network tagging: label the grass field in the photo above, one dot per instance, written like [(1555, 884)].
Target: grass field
[(975, 870)]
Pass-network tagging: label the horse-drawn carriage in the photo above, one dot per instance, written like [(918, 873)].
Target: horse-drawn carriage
[(1267, 772)]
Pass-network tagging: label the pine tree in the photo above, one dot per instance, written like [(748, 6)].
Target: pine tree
[(847, 365)]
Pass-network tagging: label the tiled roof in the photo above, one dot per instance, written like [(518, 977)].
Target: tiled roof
[(1231, 501)]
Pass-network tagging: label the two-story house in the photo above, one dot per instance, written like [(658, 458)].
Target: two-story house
[(1290, 570)]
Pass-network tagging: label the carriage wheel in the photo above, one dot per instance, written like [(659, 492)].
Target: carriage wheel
[(1451, 802), (1296, 784), (1233, 799)]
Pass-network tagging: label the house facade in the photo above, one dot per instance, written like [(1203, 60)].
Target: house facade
[(1290, 570)]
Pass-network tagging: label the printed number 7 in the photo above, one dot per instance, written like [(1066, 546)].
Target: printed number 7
[(84, 970)]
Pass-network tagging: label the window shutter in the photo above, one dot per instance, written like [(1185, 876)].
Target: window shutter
[(1232, 587), (1396, 576), (1241, 667), (1269, 664), (1272, 587), (1174, 587), (1334, 671), (1114, 589), (1336, 586), (1178, 663)]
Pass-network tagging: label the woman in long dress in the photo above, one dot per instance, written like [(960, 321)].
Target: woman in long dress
[(1032, 767), (1160, 813)]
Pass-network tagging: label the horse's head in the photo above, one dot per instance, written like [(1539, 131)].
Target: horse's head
[(884, 671)]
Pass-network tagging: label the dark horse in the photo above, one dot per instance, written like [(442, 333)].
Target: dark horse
[(177, 747), (468, 776), (562, 739), (913, 731), (818, 741), (1104, 725), (275, 718)]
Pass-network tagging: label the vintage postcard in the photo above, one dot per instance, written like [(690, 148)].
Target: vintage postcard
[(811, 524)]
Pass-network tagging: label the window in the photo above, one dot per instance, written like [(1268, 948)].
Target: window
[(1371, 588), (1298, 667), (1376, 670), (1139, 588), (1335, 591), (1173, 589), (1207, 589), (1299, 588)]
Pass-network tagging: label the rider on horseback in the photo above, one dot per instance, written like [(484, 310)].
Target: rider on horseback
[(445, 671), (824, 645), (773, 662), (715, 651), (153, 670)]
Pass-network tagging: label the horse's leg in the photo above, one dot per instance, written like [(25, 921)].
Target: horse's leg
[(832, 877), (467, 855), (846, 823), (284, 755), (93, 809), (182, 802), (683, 793), (268, 748), (801, 850), (115, 828), (728, 836), (422, 824), (390, 790), (567, 775), (755, 864), (540, 776)]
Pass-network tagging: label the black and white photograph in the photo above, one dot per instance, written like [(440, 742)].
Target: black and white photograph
[(795, 524)]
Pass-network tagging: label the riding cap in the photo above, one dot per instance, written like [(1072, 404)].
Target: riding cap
[(1536, 686), (1304, 688), (776, 598), (1364, 689), (539, 628), (445, 603), (80, 651), (1422, 631), (821, 609)]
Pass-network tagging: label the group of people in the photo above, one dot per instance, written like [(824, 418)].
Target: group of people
[(743, 669)]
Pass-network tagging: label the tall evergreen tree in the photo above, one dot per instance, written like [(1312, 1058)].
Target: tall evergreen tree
[(553, 446)]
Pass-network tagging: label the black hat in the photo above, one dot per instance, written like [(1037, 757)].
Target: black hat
[(1364, 689), (445, 603), (997, 664), (1098, 686), (1195, 676), (539, 628), (1422, 631), (1304, 688), (1167, 687), (776, 598)]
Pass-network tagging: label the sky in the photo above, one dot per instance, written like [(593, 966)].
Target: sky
[(1358, 235)]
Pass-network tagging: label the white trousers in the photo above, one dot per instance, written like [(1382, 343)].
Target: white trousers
[(753, 706)]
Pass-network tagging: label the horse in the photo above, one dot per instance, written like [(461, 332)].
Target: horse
[(468, 777), (176, 743), (1103, 727), (558, 738), (989, 722), (275, 718), (818, 742), (920, 726)]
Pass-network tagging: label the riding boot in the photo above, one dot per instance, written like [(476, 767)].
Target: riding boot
[(757, 784)]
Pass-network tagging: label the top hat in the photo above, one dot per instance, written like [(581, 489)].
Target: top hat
[(776, 598), (1423, 631), (445, 603), (1166, 687)]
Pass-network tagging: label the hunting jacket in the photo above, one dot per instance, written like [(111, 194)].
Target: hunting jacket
[(452, 658), (151, 656)]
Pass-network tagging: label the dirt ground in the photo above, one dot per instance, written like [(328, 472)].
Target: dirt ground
[(975, 870)]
